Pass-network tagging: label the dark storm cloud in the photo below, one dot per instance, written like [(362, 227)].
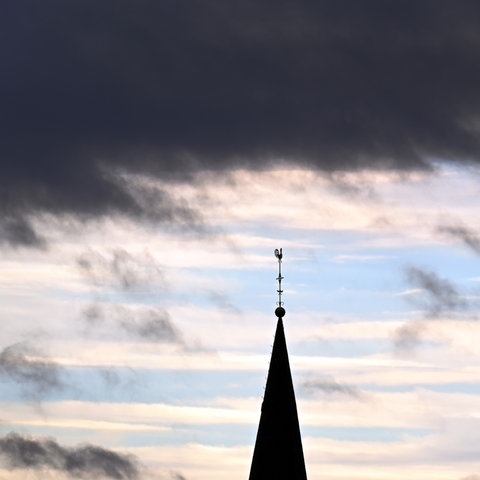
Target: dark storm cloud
[(462, 233), (91, 90), (329, 386), (441, 295), (17, 232), (27, 366), (84, 461)]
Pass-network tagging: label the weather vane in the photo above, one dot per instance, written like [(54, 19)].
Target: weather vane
[(279, 311)]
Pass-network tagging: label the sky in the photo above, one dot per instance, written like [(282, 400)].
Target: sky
[(154, 154)]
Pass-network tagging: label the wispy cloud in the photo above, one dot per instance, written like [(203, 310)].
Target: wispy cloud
[(122, 269), (177, 476), (143, 323), (460, 232), (360, 258), (408, 336), (437, 296), (153, 324), (222, 301), (84, 461), (330, 387), (36, 374), (440, 294)]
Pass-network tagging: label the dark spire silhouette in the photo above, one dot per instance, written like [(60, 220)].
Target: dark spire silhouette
[(278, 453)]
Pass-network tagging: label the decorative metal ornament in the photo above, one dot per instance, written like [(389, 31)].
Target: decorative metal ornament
[(279, 311)]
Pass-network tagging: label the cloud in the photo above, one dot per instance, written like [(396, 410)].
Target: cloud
[(121, 268), (462, 233), (408, 336), (177, 476), (84, 461), (27, 366), (165, 88), (145, 323), (329, 386), (124, 380), (152, 324), (441, 294), (18, 232), (436, 296), (223, 301), (110, 376)]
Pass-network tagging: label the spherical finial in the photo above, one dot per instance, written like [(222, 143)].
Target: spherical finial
[(280, 312)]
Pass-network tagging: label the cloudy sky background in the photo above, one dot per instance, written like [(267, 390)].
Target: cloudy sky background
[(154, 154)]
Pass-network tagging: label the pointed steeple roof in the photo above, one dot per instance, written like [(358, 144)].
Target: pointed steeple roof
[(278, 453)]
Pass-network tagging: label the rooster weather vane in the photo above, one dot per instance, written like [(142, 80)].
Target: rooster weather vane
[(279, 311)]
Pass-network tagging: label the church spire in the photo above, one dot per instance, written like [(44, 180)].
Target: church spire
[(278, 453)]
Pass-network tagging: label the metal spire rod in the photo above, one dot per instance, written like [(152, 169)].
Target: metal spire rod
[(279, 311), (279, 255)]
